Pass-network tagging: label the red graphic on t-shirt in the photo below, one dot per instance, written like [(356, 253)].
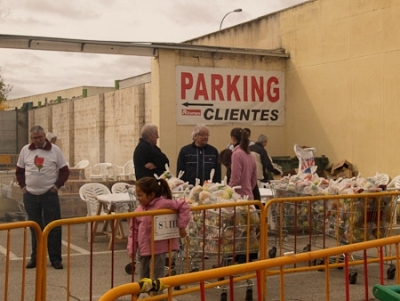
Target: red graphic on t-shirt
[(39, 162)]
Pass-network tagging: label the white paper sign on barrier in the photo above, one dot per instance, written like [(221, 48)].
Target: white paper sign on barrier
[(166, 226)]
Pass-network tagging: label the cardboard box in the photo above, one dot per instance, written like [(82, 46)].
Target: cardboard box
[(341, 166), (341, 169)]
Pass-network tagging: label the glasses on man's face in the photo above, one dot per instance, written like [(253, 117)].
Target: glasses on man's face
[(204, 135)]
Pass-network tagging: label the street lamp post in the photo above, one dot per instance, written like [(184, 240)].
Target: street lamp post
[(238, 10)]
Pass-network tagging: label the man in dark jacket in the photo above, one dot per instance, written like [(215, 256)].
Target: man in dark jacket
[(265, 161), (148, 157), (199, 158)]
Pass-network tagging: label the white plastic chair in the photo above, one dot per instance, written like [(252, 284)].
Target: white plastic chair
[(119, 187), (88, 193), (101, 171), (82, 164), (125, 172), (381, 179), (394, 183)]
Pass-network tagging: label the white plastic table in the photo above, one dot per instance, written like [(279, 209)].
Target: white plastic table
[(110, 202)]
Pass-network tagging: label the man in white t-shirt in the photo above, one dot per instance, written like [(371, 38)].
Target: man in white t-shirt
[(41, 170)]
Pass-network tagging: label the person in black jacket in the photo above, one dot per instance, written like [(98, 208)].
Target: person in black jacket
[(148, 157), (259, 148), (199, 158)]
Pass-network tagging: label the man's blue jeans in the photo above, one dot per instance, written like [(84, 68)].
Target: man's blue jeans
[(44, 209)]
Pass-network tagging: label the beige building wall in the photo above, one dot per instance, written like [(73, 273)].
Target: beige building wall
[(341, 79), (341, 76), (173, 136)]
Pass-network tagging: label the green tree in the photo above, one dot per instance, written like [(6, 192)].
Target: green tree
[(4, 90)]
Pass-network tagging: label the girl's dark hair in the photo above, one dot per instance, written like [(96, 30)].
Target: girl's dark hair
[(224, 157), (160, 187), (242, 138)]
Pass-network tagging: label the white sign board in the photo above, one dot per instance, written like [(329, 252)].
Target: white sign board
[(166, 226), (225, 96)]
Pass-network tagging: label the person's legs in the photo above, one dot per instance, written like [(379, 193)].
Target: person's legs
[(159, 268), (33, 209), (145, 266), (51, 212), (159, 265)]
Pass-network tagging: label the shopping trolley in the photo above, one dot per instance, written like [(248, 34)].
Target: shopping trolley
[(352, 220), (291, 223), (228, 234)]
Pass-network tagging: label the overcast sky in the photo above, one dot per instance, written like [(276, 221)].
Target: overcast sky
[(34, 72)]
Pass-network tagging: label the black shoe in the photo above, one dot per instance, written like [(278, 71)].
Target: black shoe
[(31, 264), (57, 265)]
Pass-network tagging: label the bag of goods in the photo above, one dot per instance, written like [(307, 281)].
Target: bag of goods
[(175, 183), (306, 159)]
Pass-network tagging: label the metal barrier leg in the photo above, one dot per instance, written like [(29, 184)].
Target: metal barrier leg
[(249, 294), (224, 295)]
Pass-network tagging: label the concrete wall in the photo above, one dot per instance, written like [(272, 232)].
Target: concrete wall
[(51, 97), (341, 79), (101, 128), (13, 131)]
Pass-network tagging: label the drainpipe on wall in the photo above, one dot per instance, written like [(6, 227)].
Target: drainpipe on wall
[(16, 130), (116, 84), (84, 93)]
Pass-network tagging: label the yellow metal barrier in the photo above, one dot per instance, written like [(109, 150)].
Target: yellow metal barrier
[(280, 266), (265, 265), (186, 257), (320, 221), (39, 271), (383, 219), (8, 161)]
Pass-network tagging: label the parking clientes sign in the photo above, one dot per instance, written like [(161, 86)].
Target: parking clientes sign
[(224, 96)]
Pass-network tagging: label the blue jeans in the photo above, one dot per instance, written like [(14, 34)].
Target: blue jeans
[(44, 209)]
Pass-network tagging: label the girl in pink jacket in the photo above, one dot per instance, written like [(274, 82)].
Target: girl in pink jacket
[(154, 194), (243, 165)]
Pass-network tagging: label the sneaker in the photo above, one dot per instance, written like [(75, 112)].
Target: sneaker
[(31, 264), (57, 265)]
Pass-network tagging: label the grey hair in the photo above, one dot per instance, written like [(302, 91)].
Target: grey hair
[(148, 129), (262, 138), (50, 136), (36, 129), (197, 128)]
